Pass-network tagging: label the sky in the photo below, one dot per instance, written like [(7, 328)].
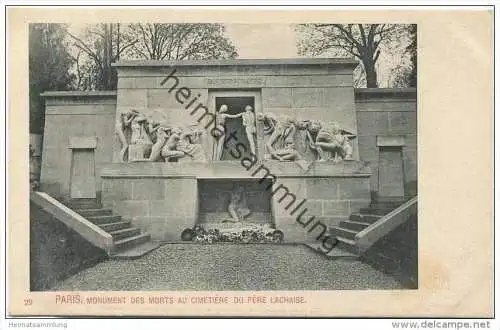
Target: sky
[(279, 41), (263, 40)]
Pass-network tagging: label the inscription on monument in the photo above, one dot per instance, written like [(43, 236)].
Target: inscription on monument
[(234, 82)]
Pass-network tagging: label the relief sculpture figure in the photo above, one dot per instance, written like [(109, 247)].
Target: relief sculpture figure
[(331, 144), (248, 120), (188, 142), (312, 129), (162, 135), (281, 144), (303, 141), (140, 142), (169, 152), (220, 122), (139, 132), (269, 122), (122, 122)]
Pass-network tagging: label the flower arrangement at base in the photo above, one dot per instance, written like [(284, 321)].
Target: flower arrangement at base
[(242, 233)]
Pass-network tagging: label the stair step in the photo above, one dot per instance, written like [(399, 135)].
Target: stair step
[(93, 212), (345, 233), (369, 218), (136, 251), (104, 219), (380, 200), (132, 241), (84, 204), (385, 205), (354, 225), (110, 227), (347, 245), (125, 233), (375, 211)]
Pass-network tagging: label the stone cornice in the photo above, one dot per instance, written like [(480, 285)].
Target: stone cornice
[(349, 62)]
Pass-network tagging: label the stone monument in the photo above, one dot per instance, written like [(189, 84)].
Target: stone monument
[(184, 129)]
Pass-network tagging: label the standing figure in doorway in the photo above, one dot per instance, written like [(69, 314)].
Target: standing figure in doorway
[(220, 122), (248, 119)]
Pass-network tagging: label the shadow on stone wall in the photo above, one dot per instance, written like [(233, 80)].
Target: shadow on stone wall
[(411, 189), (56, 252), (397, 254)]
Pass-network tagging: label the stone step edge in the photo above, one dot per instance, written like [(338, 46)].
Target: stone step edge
[(114, 223), (92, 210), (355, 222), (132, 238), (368, 215), (99, 217), (347, 241), (345, 229), (119, 231), (136, 251)]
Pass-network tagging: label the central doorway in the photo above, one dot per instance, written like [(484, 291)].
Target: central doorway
[(234, 126), (236, 101)]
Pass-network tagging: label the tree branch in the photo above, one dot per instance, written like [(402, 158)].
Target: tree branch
[(363, 36), (349, 36), (81, 45), (121, 50)]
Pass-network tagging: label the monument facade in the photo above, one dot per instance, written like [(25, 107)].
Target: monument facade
[(217, 143)]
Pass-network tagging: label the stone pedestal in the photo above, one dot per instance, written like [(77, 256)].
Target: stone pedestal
[(163, 198)]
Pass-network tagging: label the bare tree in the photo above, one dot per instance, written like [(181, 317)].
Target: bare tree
[(412, 50), (362, 41), (180, 42), (102, 44)]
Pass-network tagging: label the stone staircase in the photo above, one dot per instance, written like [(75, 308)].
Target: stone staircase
[(346, 231), (129, 241)]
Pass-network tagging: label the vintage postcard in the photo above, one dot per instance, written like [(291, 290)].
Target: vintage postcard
[(202, 162)]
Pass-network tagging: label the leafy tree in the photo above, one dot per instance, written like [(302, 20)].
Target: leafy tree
[(49, 68), (103, 44), (365, 42)]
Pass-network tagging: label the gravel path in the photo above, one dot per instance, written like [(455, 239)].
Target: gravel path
[(229, 267)]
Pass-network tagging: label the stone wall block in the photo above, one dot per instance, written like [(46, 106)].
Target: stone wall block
[(322, 188), (336, 208), (130, 209), (277, 97), (403, 122), (307, 97), (354, 188), (148, 189), (116, 189)]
